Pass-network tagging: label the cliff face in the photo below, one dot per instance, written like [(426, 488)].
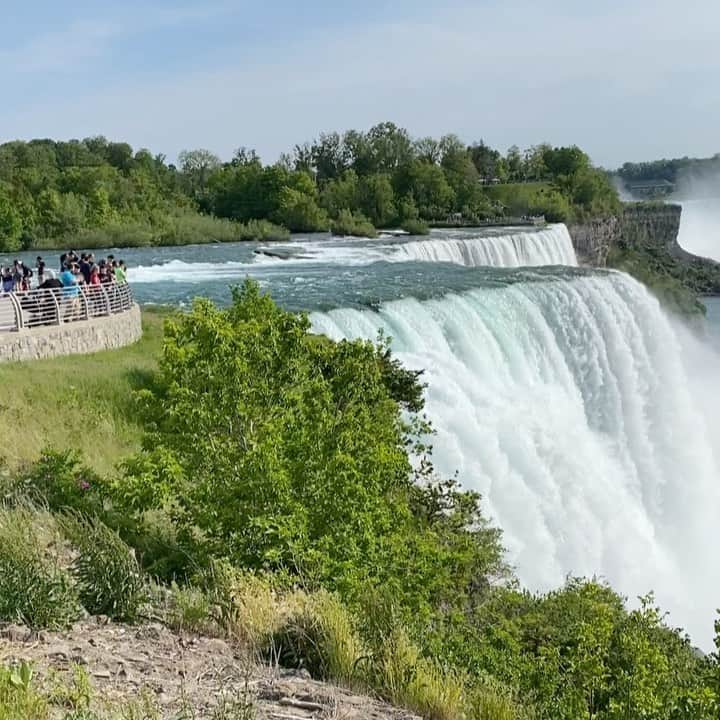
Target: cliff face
[(640, 226), (594, 239), (643, 242)]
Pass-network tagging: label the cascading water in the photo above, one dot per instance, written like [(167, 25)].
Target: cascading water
[(552, 246), (489, 248), (567, 406), (700, 227)]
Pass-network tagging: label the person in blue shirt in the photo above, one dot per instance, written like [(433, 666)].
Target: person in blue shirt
[(71, 292)]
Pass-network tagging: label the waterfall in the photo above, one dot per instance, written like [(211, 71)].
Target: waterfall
[(552, 246), (567, 405), (700, 227)]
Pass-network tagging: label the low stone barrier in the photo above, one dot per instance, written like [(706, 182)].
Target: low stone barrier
[(72, 338)]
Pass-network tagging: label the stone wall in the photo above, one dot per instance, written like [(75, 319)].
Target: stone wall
[(84, 336)]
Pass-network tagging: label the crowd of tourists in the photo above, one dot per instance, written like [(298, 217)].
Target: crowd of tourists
[(75, 270)]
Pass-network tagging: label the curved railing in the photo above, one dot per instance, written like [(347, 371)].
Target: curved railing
[(54, 306)]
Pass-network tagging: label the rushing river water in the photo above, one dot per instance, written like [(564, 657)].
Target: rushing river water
[(564, 395)]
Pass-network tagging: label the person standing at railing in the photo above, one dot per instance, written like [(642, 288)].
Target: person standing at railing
[(71, 291), (8, 281), (17, 276), (27, 274), (40, 267), (119, 273)]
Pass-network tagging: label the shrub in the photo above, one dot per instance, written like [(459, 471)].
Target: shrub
[(248, 607), (106, 571), (416, 227), (403, 676), (34, 588), (321, 636), (353, 224), (190, 610), (61, 480)]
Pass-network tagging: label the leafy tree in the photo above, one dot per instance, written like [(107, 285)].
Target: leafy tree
[(10, 223), (341, 194), (299, 212), (428, 184), (329, 157), (279, 449), (486, 160), (514, 164), (377, 199), (197, 166)]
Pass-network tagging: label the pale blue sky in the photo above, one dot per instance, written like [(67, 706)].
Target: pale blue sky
[(625, 80)]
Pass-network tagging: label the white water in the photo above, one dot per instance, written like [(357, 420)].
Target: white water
[(566, 404), (700, 227), (550, 246), (523, 249)]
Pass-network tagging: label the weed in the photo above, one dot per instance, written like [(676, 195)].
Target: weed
[(106, 570), (34, 589)]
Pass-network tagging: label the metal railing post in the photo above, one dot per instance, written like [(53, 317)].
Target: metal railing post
[(84, 296), (107, 299), (17, 307), (56, 304)]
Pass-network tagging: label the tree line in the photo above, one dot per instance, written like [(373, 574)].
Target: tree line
[(95, 192), (673, 170)]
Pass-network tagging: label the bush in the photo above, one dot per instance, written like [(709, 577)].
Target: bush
[(249, 609), (34, 588), (321, 637), (60, 479), (353, 224), (300, 212), (416, 227), (190, 610), (106, 571), (276, 450)]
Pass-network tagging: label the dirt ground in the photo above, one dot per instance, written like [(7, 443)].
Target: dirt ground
[(184, 676)]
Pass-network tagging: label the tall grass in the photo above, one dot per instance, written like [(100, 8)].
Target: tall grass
[(316, 631), (35, 589), (105, 569)]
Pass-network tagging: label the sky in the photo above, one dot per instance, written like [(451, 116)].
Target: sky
[(633, 80)]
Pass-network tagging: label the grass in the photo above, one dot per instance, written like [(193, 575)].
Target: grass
[(105, 569), (24, 697), (78, 402), (35, 589)]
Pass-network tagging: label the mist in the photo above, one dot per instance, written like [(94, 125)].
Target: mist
[(699, 194)]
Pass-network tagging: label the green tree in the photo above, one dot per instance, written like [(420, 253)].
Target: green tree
[(10, 223), (277, 449), (376, 199), (429, 186), (299, 212), (197, 166), (341, 194)]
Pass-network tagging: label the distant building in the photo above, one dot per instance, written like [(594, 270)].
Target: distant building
[(651, 188)]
